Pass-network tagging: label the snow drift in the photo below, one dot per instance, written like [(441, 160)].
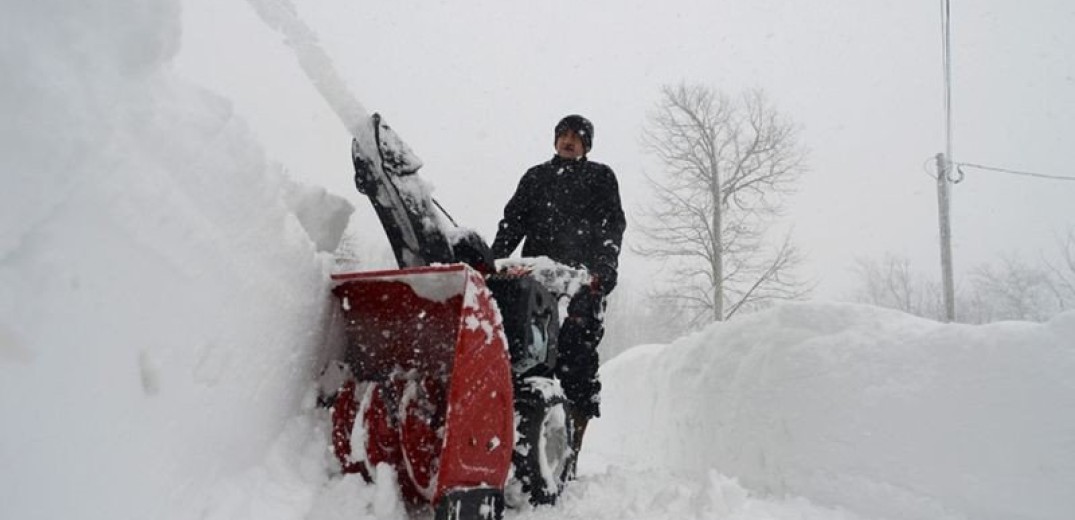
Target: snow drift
[(887, 415), (163, 302)]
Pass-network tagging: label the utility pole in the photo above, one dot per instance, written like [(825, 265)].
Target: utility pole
[(944, 172), (946, 238)]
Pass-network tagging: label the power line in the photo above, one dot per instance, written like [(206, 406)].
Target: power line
[(1016, 172), (955, 175), (946, 47), (948, 167), (959, 175)]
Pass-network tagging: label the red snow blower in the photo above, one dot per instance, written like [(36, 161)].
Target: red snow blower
[(449, 364)]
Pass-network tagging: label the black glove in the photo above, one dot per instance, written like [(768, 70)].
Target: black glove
[(587, 304), (603, 278)]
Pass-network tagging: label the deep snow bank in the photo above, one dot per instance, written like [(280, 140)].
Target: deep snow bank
[(882, 413), (162, 304)]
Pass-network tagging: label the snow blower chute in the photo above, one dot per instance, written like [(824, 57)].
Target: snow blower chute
[(449, 363)]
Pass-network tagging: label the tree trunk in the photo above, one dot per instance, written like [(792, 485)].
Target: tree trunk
[(718, 246)]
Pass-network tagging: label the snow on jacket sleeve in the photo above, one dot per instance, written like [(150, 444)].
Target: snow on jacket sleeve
[(612, 225), (512, 227)]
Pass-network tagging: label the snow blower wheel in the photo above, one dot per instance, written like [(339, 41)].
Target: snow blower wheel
[(543, 456)]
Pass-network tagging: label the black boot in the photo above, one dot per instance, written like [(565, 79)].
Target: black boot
[(580, 421)]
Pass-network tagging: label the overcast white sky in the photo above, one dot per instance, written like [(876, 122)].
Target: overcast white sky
[(475, 88)]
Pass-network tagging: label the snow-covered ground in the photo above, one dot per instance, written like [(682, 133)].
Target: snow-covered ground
[(163, 314), (867, 409)]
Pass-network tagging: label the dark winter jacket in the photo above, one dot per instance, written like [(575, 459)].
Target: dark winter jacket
[(568, 210)]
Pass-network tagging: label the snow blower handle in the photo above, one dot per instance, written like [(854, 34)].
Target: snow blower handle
[(559, 279)]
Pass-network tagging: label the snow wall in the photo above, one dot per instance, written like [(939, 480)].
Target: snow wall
[(884, 414), (162, 306)]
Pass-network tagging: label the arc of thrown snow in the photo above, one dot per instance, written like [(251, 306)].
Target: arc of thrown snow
[(282, 17)]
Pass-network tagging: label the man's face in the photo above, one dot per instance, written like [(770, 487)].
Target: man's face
[(569, 145)]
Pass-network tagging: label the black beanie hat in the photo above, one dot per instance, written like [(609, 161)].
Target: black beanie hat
[(578, 124)]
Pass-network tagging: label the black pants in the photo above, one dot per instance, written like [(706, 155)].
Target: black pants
[(577, 361)]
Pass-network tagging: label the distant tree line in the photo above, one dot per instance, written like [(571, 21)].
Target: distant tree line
[(1009, 288)]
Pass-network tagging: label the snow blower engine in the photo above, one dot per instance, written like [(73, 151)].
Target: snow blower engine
[(448, 367)]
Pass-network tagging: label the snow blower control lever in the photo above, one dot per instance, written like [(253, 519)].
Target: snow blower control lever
[(450, 364)]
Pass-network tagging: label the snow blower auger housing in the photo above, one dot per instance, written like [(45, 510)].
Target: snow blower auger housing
[(432, 392), (450, 363)]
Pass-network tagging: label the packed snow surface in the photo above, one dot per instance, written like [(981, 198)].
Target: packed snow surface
[(164, 312)]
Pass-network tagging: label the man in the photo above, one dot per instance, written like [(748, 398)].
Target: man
[(568, 209)]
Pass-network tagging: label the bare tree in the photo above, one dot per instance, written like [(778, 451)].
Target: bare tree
[(1007, 289), (1062, 272), (1014, 290), (892, 283), (632, 319), (728, 163)]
